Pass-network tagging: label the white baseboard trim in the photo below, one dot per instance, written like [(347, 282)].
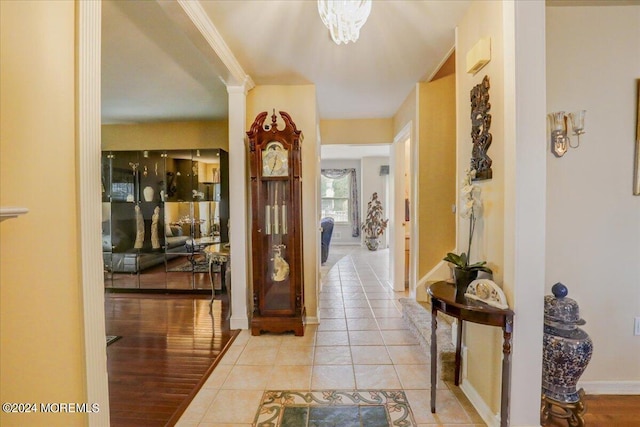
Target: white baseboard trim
[(312, 320), (610, 387), (439, 272), (492, 420), (238, 323)]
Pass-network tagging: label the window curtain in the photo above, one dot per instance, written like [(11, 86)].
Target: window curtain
[(355, 210)]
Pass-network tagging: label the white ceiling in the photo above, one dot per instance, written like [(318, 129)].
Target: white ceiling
[(153, 72)]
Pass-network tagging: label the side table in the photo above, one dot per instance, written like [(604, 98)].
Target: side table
[(444, 298), (218, 254)]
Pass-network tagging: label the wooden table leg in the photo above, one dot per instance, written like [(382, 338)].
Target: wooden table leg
[(223, 277), (506, 373), (458, 354), (434, 357), (213, 288)]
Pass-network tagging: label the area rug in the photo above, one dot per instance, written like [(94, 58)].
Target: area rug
[(112, 338), (324, 408)]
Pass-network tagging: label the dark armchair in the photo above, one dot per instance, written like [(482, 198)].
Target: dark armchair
[(325, 239)]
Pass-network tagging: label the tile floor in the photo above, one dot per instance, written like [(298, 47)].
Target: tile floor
[(361, 343)]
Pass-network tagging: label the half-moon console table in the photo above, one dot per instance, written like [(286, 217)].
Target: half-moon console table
[(445, 299)]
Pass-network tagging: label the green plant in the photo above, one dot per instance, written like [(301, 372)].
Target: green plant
[(374, 224), (461, 261), (470, 209)]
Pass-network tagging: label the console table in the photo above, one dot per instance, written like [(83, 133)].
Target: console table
[(444, 298)]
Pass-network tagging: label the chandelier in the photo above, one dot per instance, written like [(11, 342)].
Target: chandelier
[(344, 18)]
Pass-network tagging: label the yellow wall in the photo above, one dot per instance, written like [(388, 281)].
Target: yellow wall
[(436, 172), (447, 68), (357, 131), (483, 19), (406, 113), (40, 292), (300, 103), (166, 135)]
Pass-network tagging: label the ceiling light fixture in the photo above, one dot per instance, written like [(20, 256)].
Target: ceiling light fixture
[(344, 18)]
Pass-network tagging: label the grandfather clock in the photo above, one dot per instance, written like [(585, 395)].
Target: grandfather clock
[(276, 229)]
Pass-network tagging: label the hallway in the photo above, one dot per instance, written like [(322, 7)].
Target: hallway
[(361, 343)]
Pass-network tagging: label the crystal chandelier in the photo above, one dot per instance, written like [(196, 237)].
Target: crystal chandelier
[(344, 18)]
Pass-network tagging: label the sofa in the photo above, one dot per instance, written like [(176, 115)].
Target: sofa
[(125, 259)]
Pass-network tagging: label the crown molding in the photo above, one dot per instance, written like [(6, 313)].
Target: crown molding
[(207, 36)]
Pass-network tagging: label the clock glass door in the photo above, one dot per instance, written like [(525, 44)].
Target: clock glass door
[(277, 294)]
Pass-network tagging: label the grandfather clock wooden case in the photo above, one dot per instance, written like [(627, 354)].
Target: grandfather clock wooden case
[(276, 229)]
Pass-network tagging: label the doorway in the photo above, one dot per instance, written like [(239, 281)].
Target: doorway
[(370, 166), (402, 228)]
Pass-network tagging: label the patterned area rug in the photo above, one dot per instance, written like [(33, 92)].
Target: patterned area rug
[(328, 408)]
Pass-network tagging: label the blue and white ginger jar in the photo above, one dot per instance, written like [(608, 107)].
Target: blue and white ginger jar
[(567, 349)]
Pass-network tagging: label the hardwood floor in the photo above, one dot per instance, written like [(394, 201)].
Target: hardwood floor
[(608, 411), (169, 345), (174, 275)]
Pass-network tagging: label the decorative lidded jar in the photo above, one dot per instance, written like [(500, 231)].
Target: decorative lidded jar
[(566, 349)]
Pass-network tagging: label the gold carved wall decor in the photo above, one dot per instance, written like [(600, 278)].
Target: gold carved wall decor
[(480, 125)]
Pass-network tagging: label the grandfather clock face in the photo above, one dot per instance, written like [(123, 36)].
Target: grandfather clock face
[(275, 160)]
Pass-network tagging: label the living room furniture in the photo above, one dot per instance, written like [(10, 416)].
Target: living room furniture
[(155, 205), (218, 256), (325, 238), (445, 298)]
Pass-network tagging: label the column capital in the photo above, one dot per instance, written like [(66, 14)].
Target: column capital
[(244, 87)]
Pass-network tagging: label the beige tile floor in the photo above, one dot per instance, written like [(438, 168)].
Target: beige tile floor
[(360, 343)]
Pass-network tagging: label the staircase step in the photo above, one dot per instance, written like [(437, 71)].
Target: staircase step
[(417, 316)]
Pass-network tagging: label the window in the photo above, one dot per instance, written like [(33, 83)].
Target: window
[(336, 200)]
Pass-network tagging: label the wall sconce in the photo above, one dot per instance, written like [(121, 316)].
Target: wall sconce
[(560, 142)]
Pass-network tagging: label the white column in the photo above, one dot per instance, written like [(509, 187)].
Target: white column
[(525, 198), (238, 196), (90, 212)]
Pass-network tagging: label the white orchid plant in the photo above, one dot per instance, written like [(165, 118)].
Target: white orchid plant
[(470, 208)]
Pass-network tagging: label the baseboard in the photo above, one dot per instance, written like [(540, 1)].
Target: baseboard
[(238, 323), (440, 272), (491, 419), (312, 320), (610, 387)]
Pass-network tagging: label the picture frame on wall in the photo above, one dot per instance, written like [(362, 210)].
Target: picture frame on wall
[(636, 171)]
